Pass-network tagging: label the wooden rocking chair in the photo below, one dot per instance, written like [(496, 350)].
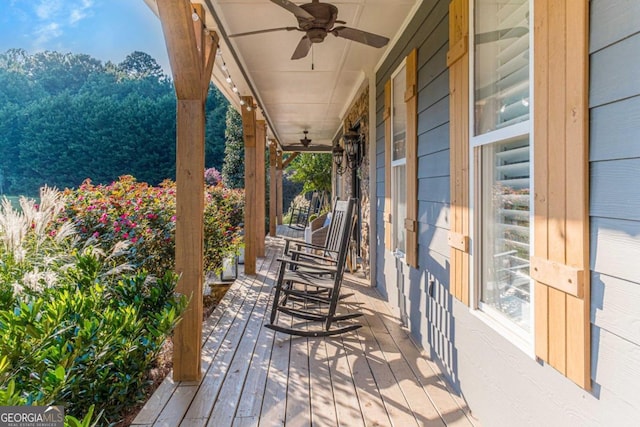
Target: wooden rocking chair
[(310, 290)]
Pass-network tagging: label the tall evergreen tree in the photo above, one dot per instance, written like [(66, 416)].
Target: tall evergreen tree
[(233, 168)]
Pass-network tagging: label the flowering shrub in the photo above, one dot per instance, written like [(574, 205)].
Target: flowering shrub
[(76, 328), (144, 216), (212, 176)]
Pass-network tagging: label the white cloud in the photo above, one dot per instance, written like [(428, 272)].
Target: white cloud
[(47, 9), (55, 15), (46, 33), (80, 12)]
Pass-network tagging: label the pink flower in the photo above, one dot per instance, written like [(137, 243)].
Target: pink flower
[(96, 234), (134, 239)]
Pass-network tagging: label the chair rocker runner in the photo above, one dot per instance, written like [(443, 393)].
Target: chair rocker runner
[(310, 290)]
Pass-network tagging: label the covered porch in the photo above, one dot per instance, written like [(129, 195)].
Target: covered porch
[(375, 376)]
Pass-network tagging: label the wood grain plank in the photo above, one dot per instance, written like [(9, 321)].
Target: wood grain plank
[(416, 397), (453, 409), (557, 177), (323, 407), (298, 411), (261, 213), (210, 386), (156, 403), (250, 187), (175, 409), (369, 405), (541, 171), (231, 392), (411, 100), (577, 228), (347, 405), (387, 166), (275, 399), (189, 237)]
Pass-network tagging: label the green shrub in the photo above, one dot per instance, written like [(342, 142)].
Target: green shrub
[(77, 327)]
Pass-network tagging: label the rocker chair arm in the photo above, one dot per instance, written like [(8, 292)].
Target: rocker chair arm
[(309, 265)]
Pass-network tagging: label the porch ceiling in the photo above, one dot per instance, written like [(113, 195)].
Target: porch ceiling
[(292, 97)]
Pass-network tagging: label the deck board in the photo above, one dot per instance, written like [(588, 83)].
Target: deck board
[(253, 376)]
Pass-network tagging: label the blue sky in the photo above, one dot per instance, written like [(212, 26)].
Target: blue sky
[(104, 29)]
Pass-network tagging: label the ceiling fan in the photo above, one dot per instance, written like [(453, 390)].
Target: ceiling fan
[(317, 19)]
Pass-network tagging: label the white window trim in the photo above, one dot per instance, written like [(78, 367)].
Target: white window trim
[(518, 337), (394, 163)]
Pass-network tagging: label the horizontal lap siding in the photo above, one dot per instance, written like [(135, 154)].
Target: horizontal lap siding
[(425, 293), (615, 203)]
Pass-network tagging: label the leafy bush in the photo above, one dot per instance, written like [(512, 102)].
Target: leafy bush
[(75, 330), (144, 216)]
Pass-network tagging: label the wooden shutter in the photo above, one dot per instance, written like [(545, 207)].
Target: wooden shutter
[(411, 101), (560, 265), (458, 62), (387, 166)]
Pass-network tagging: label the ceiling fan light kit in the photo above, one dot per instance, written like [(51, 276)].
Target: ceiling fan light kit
[(316, 20)]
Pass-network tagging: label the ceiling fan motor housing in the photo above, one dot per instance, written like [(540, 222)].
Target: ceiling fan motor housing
[(325, 16)]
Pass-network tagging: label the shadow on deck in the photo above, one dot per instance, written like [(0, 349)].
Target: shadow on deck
[(253, 376)]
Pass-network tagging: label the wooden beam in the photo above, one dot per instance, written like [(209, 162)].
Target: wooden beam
[(179, 35), (297, 148), (261, 143), (289, 160), (280, 199), (189, 237), (211, 47), (273, 189), (250, 190)]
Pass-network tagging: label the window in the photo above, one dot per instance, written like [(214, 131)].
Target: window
[(399, 159), (501, 130)]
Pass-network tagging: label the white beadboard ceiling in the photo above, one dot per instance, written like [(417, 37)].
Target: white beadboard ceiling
[(291, 96)]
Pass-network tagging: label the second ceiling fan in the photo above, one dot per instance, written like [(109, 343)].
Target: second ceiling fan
[(317, 19)]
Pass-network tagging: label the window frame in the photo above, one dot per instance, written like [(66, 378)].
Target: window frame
[(395, 222), (489, 315)]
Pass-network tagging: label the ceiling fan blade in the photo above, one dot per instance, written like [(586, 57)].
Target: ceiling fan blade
[(295, 9), (360, 36), (302, 49), (507, 33), (270, 30)]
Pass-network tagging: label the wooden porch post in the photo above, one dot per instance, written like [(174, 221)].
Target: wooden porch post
[(261, 142), (250, 186), (192, 54), (273, 189), (279, 186)]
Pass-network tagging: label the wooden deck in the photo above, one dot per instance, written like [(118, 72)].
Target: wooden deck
[(374, 376)]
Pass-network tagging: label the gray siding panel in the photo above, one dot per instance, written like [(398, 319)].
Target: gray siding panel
[(434, 116), (438, 89), (434, 189), (615, 248), (614, 206), (616, 366), (434, 165), (615, 72), (608, 25), (611, 194), (615, 129), (614, 306), (435, 140), (434, 213)]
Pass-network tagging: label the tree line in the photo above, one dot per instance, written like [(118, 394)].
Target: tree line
[(68, 117)]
